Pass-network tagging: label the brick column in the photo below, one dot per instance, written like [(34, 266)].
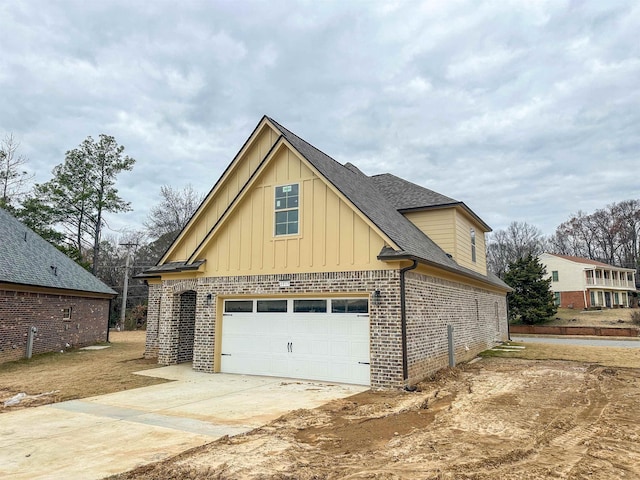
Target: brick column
[(204, 341), (169, 334), (153, 319)]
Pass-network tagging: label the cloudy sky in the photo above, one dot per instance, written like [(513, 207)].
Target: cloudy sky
[(526, 111)]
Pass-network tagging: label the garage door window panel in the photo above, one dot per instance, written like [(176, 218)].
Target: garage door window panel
[(238, 306), (354, 305), (310, 306), (272, 306)]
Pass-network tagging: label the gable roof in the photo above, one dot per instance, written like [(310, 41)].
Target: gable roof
[(587, 261), (365, 194), (27, 259)]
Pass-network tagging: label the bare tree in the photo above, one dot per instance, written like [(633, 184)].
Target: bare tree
[(610, 235), (519, 240), (14, 180), (606, 228), (175, 209), (628, 218)]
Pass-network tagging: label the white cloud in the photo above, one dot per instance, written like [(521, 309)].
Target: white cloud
[(526, 111)]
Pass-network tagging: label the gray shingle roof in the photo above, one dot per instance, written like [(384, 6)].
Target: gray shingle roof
[(170, 267), (368, 196), (405, 195), (28, 259)]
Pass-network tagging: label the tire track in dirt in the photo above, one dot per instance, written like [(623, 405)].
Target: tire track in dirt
[(496, 419)]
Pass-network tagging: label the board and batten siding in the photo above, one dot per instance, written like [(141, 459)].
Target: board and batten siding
[(332, 236), (214, 207)]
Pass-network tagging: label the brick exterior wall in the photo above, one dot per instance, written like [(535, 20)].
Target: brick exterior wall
[(573, 300), (153, 319), (19, 311), (431, 304), (478, 317), (186, 328)]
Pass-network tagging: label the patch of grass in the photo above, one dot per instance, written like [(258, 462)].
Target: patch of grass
[(606, 317), (606, 356)]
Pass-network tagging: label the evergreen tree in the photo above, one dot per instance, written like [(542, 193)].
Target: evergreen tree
[(83, 189), (532, 300)]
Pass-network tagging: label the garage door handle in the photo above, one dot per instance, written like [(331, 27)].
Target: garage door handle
[(289, 347), (364, 363), (225, 354)]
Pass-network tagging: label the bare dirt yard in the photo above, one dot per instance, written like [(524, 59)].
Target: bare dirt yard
[(548, 411), (498, 418), (77, 373)]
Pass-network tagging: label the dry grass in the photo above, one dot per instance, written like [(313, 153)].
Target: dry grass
[(594, 318), (605, 356), (78, 373)]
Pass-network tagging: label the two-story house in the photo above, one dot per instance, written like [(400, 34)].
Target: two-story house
[(295, 265), (582, 283)]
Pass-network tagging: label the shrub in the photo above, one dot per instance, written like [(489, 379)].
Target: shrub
[(136, 318), (635, 317)]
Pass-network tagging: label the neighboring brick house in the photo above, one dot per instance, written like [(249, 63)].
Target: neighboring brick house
[(582, 283), (297, 266), (43, 288)]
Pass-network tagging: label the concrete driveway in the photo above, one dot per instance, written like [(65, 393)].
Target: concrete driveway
[(100, 436)]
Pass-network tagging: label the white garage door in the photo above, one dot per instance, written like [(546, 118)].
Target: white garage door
[(315, 339)]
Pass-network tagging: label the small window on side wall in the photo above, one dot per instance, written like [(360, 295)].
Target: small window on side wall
[(66, 314), (473, 245), (554, 275)]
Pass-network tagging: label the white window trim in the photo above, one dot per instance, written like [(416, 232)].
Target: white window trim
[(298, 208)]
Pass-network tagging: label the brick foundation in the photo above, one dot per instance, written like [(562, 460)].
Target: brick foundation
[(19, 311)]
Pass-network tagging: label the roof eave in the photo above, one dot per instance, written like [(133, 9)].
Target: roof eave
[(58, 291), (406, 256), (441, 206)]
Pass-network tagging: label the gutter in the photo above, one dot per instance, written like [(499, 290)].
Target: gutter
[(403, 322)]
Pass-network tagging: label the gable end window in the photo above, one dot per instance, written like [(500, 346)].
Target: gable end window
[(286, 209), (473, 245), (554, 275)]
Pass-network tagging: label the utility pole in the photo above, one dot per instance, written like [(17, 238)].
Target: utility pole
[(126, 284)]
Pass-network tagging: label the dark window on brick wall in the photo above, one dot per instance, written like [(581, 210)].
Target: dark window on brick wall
[(66, 314)]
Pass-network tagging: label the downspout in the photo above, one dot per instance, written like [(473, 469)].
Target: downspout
[(108, 318), (403, 323)]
